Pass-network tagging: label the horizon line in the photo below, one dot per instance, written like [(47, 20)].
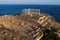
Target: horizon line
[(29, 4)]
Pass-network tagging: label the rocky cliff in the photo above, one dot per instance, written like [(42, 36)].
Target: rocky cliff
[(28, 25)]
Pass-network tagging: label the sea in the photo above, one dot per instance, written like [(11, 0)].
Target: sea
[(53, 10)]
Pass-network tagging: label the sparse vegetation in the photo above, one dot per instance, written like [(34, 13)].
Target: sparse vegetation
[(50, 35)]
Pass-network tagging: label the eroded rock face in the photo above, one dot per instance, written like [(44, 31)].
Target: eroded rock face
[(26, 29), (6, 34)]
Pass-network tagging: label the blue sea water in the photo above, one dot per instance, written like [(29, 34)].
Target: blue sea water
[(53, 10)]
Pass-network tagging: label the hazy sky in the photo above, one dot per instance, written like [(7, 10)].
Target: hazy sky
[(57, 2)]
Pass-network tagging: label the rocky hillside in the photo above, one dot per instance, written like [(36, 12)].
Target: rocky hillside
[(29, 26)]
